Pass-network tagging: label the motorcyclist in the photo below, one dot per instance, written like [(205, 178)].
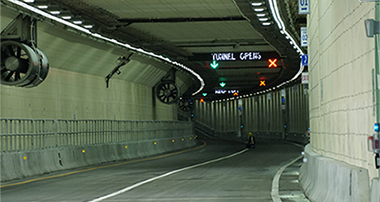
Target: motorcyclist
[(250, 141)]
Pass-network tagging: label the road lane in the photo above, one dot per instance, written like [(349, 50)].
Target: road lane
[(245, 177)]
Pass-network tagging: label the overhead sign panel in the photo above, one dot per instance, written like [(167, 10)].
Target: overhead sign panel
[(231, 56), (303, 6), (235, 56), (226, 91)]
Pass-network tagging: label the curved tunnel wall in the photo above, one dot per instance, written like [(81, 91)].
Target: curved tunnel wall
[(342, 103), (121, 122), (75, 87), (342, 110), (261, 114)]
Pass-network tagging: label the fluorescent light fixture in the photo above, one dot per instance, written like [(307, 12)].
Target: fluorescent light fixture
[(82, 29), (66, 17), (266, 23), (257, 4), (261, 15), (280, 23), (42, 6), (77, 22), (259, 9), (263, 19), (28, 1), (55, 12), (88, 26)]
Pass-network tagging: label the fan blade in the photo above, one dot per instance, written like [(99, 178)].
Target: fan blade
[(167, 86), (174, 91), (11, 51), (18, 52), (10, 74), (17, 76)]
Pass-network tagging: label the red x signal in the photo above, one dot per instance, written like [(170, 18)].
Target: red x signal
[(262, 83), (272, 63)]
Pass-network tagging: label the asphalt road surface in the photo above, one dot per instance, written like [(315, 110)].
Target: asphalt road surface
[(215, 170)]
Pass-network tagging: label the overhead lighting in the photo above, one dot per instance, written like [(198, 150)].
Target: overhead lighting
[(55, 12), (257, 4), (53, 9), (259, 9), (66, 17), (28, 1), (77, 22), (88, 26), (280, 23), (42, 6), (261, 14), (266, 23), (263, 19)]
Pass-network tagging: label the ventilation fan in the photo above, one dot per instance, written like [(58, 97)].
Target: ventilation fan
[(167, 92), (19, 64)]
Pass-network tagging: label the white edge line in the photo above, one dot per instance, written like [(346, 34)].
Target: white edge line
[(276, 181), (164, 175)]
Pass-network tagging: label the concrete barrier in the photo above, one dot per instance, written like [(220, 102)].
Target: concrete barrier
[(375, 190), (17, 165), (326, 179)]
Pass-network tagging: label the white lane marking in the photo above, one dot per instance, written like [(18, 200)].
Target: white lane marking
[(276, 181), (164, 175)]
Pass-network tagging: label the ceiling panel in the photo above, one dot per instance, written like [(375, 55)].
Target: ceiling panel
[(200, 31), (167, 8)]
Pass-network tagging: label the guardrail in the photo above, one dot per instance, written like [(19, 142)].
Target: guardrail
[(39, 134), (292, 137)]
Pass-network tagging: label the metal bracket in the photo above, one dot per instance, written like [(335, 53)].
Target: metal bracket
[(170, 76), (372, 27), (22, 29), (123, 61)]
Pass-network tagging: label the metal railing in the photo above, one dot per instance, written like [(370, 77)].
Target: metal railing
[(292, 137), (38, 134)]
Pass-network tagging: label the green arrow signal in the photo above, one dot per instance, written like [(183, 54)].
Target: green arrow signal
[(222, 84), (204, 94), (214, 64)]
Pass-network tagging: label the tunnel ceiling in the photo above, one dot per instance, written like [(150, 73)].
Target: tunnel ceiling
[(189, 31)]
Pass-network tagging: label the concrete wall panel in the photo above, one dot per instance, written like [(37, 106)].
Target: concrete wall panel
[(340, 72)]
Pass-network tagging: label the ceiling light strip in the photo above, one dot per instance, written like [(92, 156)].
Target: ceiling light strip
[(280, 23), (47, 15)]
